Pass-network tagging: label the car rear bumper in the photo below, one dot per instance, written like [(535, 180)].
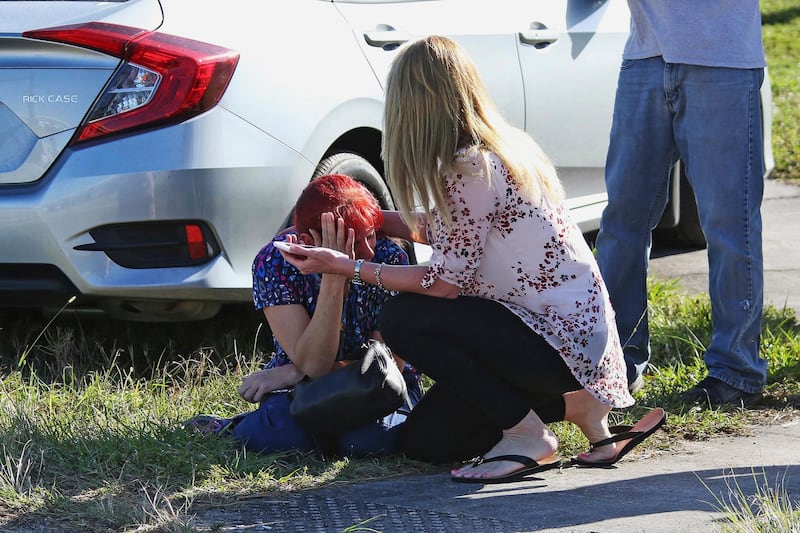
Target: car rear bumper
[(215, 169)]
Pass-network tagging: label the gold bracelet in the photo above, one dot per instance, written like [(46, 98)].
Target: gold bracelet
[(378, 277)]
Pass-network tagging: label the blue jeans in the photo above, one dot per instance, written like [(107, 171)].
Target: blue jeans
[(710, 118), (271, 429)]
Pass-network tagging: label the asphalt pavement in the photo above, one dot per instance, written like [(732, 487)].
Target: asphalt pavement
[(681, 486), (682, 489)]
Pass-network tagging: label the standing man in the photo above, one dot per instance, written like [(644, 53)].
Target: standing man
[(688, 89)]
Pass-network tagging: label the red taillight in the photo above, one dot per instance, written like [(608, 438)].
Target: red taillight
[(182, 77), (195, 242)]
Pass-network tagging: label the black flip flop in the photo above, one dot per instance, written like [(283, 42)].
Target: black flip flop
[(529, 466), (653, 420)]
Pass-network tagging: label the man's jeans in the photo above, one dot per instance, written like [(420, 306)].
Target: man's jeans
[(710, 118)]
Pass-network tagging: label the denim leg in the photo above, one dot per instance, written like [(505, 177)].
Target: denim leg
[(372, 440), (718, 131), (641, 154), (271, 429)]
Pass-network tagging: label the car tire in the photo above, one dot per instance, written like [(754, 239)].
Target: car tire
[(359, 169), (688, 233), (356, 167)]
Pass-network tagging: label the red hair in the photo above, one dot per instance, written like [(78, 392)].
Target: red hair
[(341, 195)]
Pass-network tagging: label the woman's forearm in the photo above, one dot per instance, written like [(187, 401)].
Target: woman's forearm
[(318, 346), (400, 278)]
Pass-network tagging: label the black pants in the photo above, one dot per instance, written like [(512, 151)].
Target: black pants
[(489, 367)]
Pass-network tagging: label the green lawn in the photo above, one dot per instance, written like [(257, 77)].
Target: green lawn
[(90, 436), (781, 26)]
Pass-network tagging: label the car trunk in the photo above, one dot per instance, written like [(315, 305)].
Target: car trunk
[(47, 88)]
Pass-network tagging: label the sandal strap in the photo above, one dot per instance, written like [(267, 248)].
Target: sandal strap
[(521, 459), (615, 438)]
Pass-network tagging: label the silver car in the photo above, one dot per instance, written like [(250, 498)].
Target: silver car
[(149, 148)]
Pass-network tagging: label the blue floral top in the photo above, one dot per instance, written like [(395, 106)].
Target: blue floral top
[(277, 282)]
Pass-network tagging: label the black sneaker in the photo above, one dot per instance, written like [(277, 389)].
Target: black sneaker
[(711, 392), (636, 385)]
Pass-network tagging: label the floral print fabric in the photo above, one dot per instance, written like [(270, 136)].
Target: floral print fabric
[(276, 282), (534, 260)]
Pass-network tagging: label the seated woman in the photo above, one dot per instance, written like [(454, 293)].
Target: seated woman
[(314, 319)]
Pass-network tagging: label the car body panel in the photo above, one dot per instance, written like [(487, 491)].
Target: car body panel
[(41, 110), (489, 38), (181, 185), (22, 16), (309, 97), (570, 87), (48, 87), (577, 45)]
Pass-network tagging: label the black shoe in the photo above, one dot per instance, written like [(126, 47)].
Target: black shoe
[(636, 385), (711, 392)]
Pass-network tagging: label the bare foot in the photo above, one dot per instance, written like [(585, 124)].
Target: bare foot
[(591, 416), (530, 438)]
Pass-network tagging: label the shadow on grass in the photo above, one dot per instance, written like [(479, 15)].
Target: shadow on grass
[(85, 344), (108, 480), (783, 16)]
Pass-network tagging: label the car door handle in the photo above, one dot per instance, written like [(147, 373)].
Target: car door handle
[(384, 38), (539, 35)]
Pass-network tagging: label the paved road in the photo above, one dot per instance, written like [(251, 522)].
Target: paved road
[(673, 491)]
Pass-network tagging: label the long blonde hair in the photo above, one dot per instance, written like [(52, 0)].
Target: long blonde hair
[(436, 104)]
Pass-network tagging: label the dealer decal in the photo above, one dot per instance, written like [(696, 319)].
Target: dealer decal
[(50, 99)]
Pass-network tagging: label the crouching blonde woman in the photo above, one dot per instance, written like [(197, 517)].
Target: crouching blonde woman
[(511, 317)]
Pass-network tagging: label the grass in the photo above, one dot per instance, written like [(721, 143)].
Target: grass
[(90, 435), (90, 429), (767, 509), (90, 438), (781, 27)]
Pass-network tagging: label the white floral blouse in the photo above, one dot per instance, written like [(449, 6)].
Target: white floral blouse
[(534, 260)]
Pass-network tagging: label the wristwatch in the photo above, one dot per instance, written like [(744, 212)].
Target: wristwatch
[(357, 273)]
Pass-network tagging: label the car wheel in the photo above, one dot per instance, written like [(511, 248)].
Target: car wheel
[(356, 167), (687, 233), (359, 169)]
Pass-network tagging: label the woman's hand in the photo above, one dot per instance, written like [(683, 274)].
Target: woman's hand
[(333, 243), (335, 235), (256, 386)]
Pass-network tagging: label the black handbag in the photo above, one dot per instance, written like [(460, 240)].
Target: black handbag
[(352, 395)]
